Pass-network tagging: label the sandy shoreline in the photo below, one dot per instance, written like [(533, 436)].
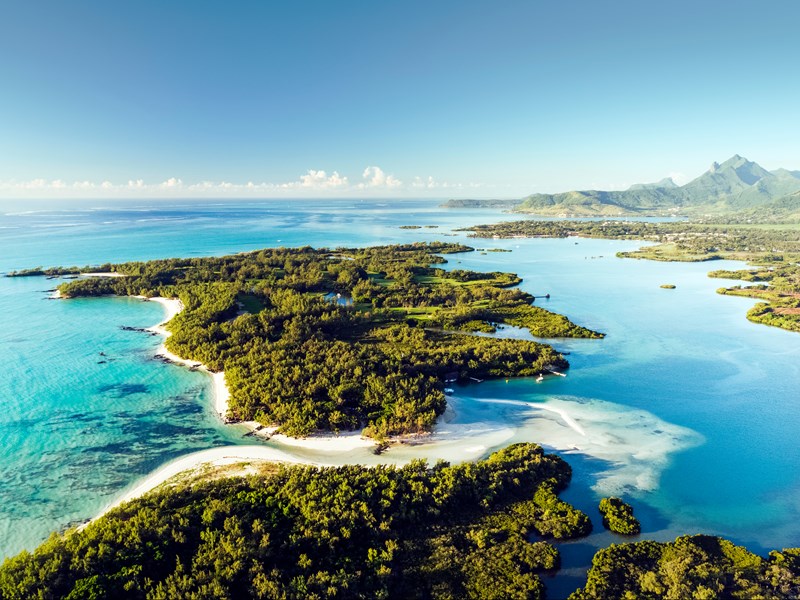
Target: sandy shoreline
[(220, 390), (225, 455), (102, 274), (635, 444), (335, 443)]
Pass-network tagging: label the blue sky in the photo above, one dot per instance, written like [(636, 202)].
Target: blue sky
[(439, 99)]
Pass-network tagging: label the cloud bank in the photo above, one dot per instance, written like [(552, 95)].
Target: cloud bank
[(374, 181)]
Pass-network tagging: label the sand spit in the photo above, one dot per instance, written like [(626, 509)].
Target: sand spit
[(102, 274), (225, 455)]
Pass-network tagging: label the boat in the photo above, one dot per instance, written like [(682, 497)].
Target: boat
[(540, 378), (449, 390)]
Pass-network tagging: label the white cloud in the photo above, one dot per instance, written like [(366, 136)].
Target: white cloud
[(35, 184), (319, 180), (313, 183), (376, 178), (429, 183), (172, 182)]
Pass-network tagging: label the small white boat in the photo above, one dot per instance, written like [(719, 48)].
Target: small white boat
[(449, 390), (540, 378)]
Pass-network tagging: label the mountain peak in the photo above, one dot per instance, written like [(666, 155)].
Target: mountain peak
[(731, 177), (737, 169), (665, 183), (735, 161)]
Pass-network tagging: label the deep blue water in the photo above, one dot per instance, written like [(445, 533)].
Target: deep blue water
[(77, 431)]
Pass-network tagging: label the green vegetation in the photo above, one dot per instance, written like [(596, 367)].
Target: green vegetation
[(295, 360), (51, 272), (696, 566), (775, 252), (304, 532), (250, 303), (675, 240), (737, 191), (667, 286), (618, 516), (469, 203), (781, 306)]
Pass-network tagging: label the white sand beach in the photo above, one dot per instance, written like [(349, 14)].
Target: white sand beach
[(225, 455), (102, 274), (325, 443), (221, 393), (343, 442)]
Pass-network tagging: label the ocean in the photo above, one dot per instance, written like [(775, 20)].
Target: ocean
[(685, 408)]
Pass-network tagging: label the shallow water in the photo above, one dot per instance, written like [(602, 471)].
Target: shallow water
[(685, 407)]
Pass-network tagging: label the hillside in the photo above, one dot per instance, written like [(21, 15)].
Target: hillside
[(735, 186)]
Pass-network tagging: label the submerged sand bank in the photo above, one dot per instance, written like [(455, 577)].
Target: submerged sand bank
[(635, 445)]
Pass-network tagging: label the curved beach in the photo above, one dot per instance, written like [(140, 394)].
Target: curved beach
[(636, 445), (225, 455)]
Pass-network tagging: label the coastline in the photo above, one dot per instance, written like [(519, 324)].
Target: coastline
[(191, 463), (220, 389), (343, 442), (458, 436)]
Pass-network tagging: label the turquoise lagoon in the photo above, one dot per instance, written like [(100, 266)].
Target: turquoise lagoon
[(685, 408)]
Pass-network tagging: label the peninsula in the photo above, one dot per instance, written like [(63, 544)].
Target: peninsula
[(331, 340)]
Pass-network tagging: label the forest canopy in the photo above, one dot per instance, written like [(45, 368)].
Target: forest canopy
[(306, 532), (696, 566), (319, 339)]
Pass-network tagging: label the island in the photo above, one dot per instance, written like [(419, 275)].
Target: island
[(618, 516), (353, 338), (736, 191), (335, 339)]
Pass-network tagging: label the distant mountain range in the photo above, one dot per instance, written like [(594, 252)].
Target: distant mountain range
[(736, 187)]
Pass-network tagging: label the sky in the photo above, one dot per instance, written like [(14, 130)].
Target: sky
[(437, 99)]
